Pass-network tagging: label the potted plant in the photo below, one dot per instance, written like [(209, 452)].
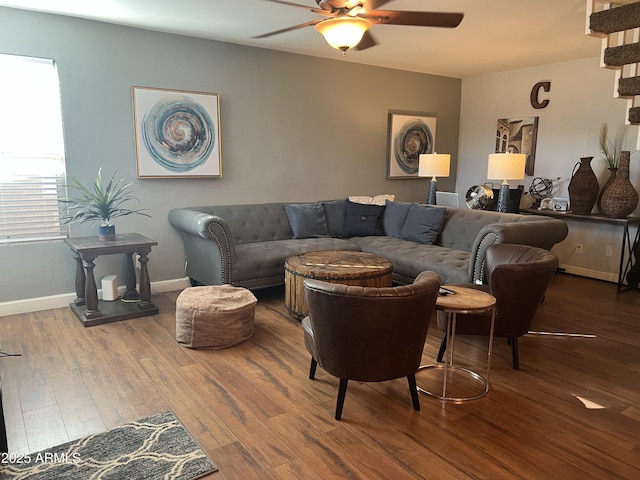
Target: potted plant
[(100, 202), (610, 149)]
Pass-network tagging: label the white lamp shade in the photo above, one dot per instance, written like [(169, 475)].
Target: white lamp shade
[(343, 33), (434, 165), (506, 166)]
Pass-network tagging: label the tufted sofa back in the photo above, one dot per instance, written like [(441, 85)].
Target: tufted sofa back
[(461, 226), (262, 222), (265, 222)]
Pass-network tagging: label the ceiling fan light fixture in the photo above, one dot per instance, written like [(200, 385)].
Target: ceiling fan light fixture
[(343, 33)]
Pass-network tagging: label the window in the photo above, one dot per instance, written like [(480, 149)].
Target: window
[(31, 150)]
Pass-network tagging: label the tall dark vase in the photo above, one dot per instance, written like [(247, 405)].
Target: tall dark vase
[(583, 187), (620, 198)]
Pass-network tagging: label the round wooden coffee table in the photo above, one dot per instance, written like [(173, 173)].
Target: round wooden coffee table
[(347, 268)]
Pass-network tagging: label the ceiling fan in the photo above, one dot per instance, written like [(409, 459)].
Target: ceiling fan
[(346, 23)]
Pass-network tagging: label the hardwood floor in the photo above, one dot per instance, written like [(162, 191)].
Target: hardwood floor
[(253, 409)]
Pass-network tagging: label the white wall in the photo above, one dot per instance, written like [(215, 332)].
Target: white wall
[(580, 101)]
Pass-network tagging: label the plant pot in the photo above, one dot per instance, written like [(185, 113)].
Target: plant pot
[(107, 232)]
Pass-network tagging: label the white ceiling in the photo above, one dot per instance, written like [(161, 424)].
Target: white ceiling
[(495, 35)]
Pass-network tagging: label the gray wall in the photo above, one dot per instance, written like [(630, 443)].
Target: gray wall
[(293, 128)]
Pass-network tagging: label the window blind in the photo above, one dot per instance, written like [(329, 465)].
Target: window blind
[(32, 168), (29, 207)]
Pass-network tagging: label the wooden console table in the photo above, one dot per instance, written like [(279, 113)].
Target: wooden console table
[(626, 252), (86, 306)]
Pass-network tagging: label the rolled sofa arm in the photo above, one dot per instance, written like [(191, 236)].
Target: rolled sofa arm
[(208, 243), (544, 233)]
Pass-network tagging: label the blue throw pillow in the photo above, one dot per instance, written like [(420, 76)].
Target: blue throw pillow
[(423, 223), (362, 220), (394, 217), (307, 220)]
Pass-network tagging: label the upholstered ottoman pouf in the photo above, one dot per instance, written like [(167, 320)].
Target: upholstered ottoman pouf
[(214, 317)]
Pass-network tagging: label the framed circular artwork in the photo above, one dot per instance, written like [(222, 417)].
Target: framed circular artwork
[(177, 133), (409, 136)]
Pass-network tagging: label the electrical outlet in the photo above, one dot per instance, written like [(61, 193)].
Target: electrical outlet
[(578, 248), (608, 251)]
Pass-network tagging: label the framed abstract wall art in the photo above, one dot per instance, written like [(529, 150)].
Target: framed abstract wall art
[(409, 135), (177, 133), (518, 135)]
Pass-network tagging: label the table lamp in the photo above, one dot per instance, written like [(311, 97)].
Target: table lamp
[(434, 165), (505, 166)]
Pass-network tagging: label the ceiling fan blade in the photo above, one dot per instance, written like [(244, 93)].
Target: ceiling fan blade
[(367, 41), (418, 19), (370, 5), (314, 10), (289, 29), (332, 5)]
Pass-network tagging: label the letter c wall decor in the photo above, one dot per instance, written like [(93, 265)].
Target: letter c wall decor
[(535, 91)]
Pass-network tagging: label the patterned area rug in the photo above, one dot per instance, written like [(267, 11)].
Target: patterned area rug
[(157, 447)]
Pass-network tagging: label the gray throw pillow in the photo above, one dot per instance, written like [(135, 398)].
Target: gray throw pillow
[(394, 217), (423, 223), (334, 210), (307, 220), (362, 220)]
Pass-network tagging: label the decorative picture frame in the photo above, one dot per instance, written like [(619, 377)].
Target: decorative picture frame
[(177, 133), (409, 135), (518, 135)]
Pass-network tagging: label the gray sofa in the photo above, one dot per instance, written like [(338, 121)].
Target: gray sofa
[(246, 245)]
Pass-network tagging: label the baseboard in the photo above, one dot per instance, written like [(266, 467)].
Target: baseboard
[(586, 272), (170, 285), (63, 300)]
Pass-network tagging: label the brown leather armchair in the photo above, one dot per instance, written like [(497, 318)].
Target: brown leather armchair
[(369, 334), (518, 277)]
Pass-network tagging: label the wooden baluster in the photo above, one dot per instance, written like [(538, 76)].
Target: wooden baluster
[(145, 284), (131, 295), (91, 291), (81, 281)]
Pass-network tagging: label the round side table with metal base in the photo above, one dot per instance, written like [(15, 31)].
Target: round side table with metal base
[(462, 301)]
